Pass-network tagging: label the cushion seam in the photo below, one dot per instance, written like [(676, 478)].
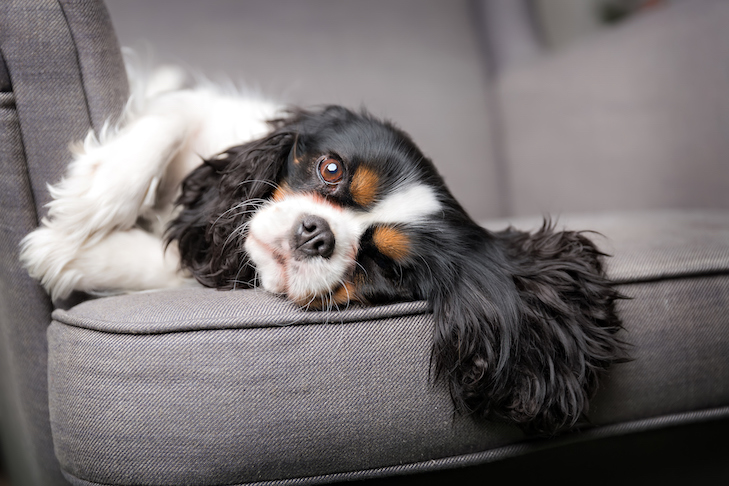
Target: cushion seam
[(658, 277), (224, 323)]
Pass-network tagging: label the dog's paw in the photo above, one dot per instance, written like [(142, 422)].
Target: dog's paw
[(46, 254), (115, 263)]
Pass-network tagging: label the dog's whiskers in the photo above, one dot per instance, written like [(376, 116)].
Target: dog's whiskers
[(250, 283), (360, 266), (258, 181), (255, 203), (240, 232)]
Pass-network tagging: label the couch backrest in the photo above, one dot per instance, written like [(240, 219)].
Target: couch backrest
[(634, 117)]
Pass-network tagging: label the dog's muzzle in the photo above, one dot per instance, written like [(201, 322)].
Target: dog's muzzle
[(302, 246)]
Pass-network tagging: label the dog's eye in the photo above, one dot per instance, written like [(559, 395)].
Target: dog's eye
[(330, 170)]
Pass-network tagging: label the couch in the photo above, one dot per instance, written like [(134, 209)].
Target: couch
[(624, 134)]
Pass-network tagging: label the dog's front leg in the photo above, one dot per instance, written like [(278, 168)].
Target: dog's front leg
[(110, 184), (107, 187)]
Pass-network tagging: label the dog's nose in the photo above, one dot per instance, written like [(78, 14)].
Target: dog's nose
[(313, 237)]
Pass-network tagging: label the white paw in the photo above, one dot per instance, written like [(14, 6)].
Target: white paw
[(46, 255)]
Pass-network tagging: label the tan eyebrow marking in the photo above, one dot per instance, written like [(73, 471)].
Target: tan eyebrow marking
[(364, 186)]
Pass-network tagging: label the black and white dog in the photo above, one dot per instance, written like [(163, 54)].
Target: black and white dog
[(328, 207)]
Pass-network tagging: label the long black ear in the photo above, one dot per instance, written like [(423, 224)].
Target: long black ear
[(528, 327), (217, 201)]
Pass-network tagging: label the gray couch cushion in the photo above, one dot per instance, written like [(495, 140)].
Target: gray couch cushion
[(198, 386), (240, 398)]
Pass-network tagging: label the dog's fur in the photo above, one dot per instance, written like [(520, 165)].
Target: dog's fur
[(328, 207)]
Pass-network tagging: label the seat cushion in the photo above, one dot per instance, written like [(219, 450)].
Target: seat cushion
[(198, 386)]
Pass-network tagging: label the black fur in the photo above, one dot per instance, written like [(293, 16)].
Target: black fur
[(218, 198), (525, 324), (526, 327)]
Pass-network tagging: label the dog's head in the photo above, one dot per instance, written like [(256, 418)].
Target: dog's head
[(335, 206), (325, 210)]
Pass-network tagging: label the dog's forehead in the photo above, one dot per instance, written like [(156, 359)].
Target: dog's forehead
[(355, 135), (363, 141)]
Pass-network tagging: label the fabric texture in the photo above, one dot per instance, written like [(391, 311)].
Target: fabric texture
[(60, 82), (242, 405), (198, 386)]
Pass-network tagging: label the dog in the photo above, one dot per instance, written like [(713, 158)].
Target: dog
[(328, 207)]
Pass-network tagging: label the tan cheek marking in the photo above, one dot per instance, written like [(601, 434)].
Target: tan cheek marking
[(363, 188), (345, 294), (391, 242)]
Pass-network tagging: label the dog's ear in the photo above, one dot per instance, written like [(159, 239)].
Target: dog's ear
[(527, 328), (219, 198)]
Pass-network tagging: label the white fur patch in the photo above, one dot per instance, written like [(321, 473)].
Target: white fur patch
[(408, 205), (89, 240), (269, 246)]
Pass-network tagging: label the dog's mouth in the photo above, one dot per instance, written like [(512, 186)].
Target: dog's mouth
[(311, 282), (326, 297), (306, 250)]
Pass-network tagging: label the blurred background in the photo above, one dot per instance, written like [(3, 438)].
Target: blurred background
[(526, 106)]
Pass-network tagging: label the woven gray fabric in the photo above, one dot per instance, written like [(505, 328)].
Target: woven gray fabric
[(50, 68), (209, 387), (241, 405)]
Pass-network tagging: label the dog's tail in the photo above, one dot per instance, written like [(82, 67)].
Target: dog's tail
[(148, 79)]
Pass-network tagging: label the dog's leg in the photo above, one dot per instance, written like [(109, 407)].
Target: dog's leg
[(128, 260), (108, 186)]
